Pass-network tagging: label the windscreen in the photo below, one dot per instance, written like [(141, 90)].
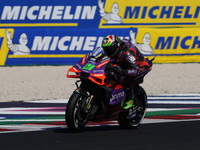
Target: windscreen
[(98, 53)]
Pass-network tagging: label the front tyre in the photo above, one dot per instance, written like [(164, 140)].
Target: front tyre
[(75, 116), (141, 104)]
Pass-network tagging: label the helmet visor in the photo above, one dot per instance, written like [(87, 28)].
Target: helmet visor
[(110, 51)]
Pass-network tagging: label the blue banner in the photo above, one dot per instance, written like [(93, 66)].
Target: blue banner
[(45, 13), (33, 46), (62, 32)]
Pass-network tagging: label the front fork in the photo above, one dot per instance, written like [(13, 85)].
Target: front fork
[(93, 104), (88, 101)]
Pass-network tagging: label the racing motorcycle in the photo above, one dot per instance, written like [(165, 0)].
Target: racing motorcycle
[(99, 94)]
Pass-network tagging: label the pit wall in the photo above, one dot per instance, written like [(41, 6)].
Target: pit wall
[(62, 32)]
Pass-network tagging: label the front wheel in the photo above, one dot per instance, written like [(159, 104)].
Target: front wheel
[(76, 115), (141, 104)]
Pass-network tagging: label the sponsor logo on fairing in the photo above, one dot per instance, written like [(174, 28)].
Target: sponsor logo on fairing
[(117, 96)]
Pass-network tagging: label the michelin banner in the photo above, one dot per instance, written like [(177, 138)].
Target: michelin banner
[(100, 13), (63, 46), (168, 45), (61, 32), (46, 46), (145, 13)]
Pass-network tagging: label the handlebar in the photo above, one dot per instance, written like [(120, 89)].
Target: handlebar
[(112, 74)]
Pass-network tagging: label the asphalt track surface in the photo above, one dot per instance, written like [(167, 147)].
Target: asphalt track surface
[(173, 136), (180, 133)]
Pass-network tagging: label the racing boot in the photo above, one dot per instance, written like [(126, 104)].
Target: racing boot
[(127, 104), (129, 107)]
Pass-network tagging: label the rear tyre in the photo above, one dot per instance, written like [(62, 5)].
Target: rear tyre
[(75, 116), (141, 104)]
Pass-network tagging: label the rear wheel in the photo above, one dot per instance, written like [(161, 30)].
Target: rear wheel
[(141, 104), (76, 115)]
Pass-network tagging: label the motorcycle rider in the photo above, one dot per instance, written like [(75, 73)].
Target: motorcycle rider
[(133, 65)]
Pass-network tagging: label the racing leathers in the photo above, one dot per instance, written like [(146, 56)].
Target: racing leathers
[(134, 67)]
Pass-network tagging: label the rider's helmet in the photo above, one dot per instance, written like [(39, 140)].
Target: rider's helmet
[(111, 45)]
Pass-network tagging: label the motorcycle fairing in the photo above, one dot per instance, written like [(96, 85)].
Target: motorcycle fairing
[(90, 69), (117, 95)]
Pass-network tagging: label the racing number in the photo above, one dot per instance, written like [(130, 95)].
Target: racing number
[(88, 66)]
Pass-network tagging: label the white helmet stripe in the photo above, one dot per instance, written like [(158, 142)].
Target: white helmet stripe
[(113, 37)]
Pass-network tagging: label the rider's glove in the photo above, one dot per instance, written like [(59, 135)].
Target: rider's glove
[(120, 70)]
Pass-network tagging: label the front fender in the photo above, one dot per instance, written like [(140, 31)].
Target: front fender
[(82, 92)]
